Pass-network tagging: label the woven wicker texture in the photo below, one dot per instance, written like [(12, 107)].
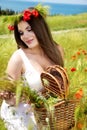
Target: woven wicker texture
[(60, 118), (55, 80), (61, 115)]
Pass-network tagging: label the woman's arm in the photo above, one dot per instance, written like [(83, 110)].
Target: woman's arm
[(14, 69)]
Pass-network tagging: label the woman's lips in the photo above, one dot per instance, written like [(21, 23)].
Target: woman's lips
[(29, 41)]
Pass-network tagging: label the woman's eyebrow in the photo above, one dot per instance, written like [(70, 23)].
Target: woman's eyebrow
[(28, 27)]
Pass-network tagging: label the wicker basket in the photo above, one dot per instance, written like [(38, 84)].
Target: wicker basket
[(60, 118), (61, 115)]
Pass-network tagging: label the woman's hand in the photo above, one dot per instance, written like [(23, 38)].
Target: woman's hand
[(9, 97)]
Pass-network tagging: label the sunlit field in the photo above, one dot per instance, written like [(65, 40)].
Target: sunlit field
[(74, 43)]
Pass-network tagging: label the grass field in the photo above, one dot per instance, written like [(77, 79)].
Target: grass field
[(74, 43)]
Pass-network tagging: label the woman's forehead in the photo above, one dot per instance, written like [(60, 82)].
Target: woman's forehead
[(23, 24)]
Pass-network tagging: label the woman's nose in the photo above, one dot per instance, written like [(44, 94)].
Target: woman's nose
[(26, 34)]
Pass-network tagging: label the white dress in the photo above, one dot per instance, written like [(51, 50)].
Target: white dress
[(18, 118)]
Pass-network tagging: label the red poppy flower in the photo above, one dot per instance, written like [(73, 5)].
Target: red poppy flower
[(26, 15), (79, 94), (79, 125), (11, 27), (84, 52), (78, 53), (35, 13), (73, 69), (74, 57)]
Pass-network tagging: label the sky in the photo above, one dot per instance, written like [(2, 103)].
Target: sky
[(60, 1)]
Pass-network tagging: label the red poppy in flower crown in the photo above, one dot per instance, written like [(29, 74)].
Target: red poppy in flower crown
[(11, 27), (35, 13), (27, 14)]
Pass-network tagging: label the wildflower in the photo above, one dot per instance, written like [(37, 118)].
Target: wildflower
[(73, 69), (78, 53), (11, 27), (84, 52), (74, 57), (79, 94), (79, 125)]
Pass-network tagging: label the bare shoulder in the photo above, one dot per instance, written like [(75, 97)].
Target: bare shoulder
[(15, 57), (14, 66)]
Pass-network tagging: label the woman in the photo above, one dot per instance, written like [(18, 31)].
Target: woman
[(36, 51)]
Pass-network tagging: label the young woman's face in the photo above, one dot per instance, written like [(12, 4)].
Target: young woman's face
[(27, 35)]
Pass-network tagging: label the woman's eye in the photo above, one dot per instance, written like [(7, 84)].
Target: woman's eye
[(29, 30), (21, 33)]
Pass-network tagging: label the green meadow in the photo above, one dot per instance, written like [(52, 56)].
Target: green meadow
[(74, 42)]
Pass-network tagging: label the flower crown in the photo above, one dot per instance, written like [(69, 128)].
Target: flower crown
[(26, 16), (28, 13), (39, 9)]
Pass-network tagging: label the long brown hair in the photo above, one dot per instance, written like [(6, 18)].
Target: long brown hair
[(40, 28)]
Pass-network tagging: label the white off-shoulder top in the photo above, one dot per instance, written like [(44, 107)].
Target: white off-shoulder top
[(31, 75)]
